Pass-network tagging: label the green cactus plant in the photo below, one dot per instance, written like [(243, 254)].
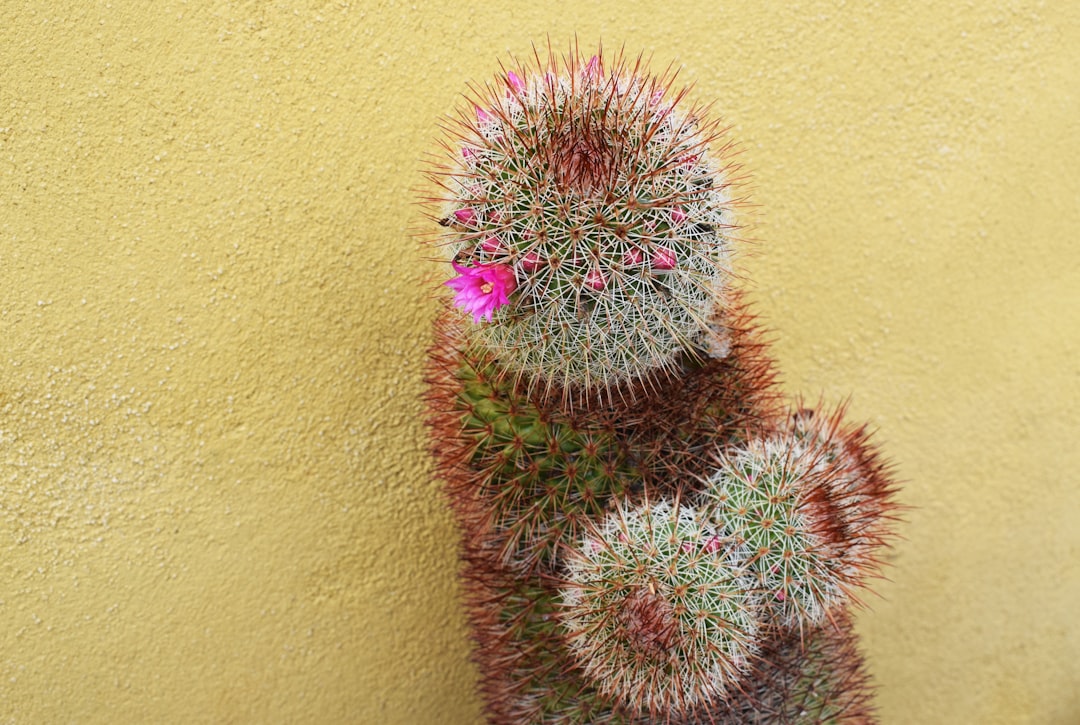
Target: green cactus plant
[(660, 610), (814, 676), (809, 510), (590, 219), (647, 535), (763, 494)]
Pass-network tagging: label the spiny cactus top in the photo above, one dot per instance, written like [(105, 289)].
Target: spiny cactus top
[(810, 506), (588, 216), (659, 609)]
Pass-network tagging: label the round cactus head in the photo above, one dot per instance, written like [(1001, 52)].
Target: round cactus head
[(659, 611), (810, 504), (588, 215)]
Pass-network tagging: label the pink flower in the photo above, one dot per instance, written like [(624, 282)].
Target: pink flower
[(531, 262), (678, 215), (492, 245), (595, 278), (663, 258), (466, 216), (483, 116), (633, 257), (714, 544), (594, 70), (515, 81), (482, 289)]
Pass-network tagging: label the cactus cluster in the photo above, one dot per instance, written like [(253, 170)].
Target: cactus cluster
[(651, 533)]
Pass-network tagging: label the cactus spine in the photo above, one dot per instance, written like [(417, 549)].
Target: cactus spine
[(647, 535)]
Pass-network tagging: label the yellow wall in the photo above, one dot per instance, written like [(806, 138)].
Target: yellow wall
[(214, 505)]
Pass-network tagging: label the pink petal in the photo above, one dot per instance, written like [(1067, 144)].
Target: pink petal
[(595, 278), (663, 258), (633, 257), (515, 82), (593, 69), (465, 216), (531, 262), (678, 215), (491, 245), (483, 116)]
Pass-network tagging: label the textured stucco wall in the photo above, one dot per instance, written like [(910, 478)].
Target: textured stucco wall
[(214, 505)]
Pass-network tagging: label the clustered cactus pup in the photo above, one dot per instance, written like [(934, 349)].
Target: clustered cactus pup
[(650, 534)]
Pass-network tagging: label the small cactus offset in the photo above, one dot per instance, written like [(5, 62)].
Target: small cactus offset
[(811, 514), (647, 534), (660, 610)]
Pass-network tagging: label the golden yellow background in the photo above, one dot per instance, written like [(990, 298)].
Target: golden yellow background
[(214, 501)]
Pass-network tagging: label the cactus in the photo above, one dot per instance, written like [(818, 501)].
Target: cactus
[(660, 609), (534, 470), (589, 218), (764, 496), (647, 535), (810, 677), (808, 508)]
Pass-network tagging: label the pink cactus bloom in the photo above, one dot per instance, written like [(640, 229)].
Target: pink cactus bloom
[(633, 257), (714, 544), (594, 70), (515, 81), (688, 161), (663, 258), (678, 215), (595, 278), (483, 116), (482, 289), (492, 245), (466, 216), (531, 262)]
